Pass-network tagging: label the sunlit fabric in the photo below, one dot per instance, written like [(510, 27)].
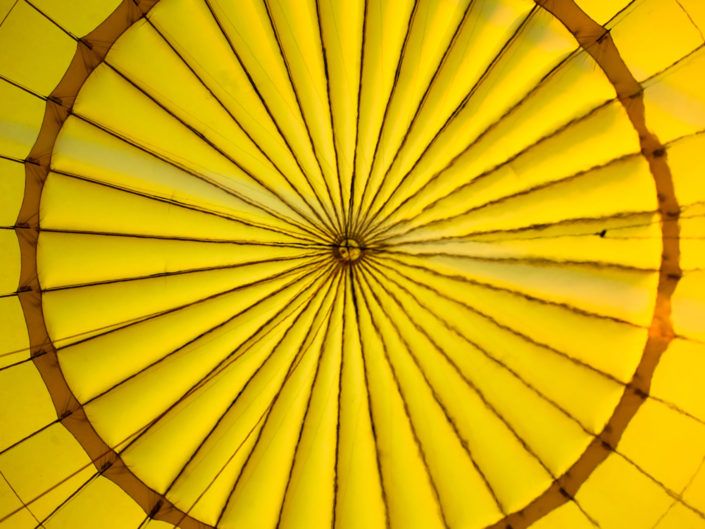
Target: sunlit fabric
[(352, 263)]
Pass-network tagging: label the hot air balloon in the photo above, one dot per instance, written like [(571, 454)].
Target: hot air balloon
[(352, 263)]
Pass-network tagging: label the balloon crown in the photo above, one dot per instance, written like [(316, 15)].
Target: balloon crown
[(348, 250)]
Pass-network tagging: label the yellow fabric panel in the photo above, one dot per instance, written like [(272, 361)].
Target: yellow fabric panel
[(557, 378), (230, 446), (359, 503), (464, 496), (678, 517), (261, 486), (14, 343), (313, 474), (621, 294), (82, 311), (216, 346), (630, 229), (567, 438), (94, 366), (67, 203), (580, 196), (165, 77), (634, 30), (675, 106), (483, 31), (208, 52), (431, 30), (540, 115), (664, 443), (9, 502), (692, 227), (79, 258), (11, 190), (296, 28), (685, 157), (680, 377), (41, 60), (46, 469), (571, 151), (515, 476), (387, 27), (541, 44), (621, 246), (213, 494), (695, 11), (341, 27), (31, 408), (20, 520), (405, 478), (601, 11), (78, 17), (245, 23), (688, 305), (695, 493), (21, 116), (10, 264), (100, 503), (193, 418), (558, 375), (131, 115), (558, 331), (566, 516), (5, 7), (617, 495), (86, 151)]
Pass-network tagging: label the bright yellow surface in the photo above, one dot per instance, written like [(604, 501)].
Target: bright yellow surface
[(40, 61), (619, 495), (21, 119), (14, 341), (670, 19), (203, 199)]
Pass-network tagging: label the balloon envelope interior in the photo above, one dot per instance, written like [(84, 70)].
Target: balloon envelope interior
[(352, 264)]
